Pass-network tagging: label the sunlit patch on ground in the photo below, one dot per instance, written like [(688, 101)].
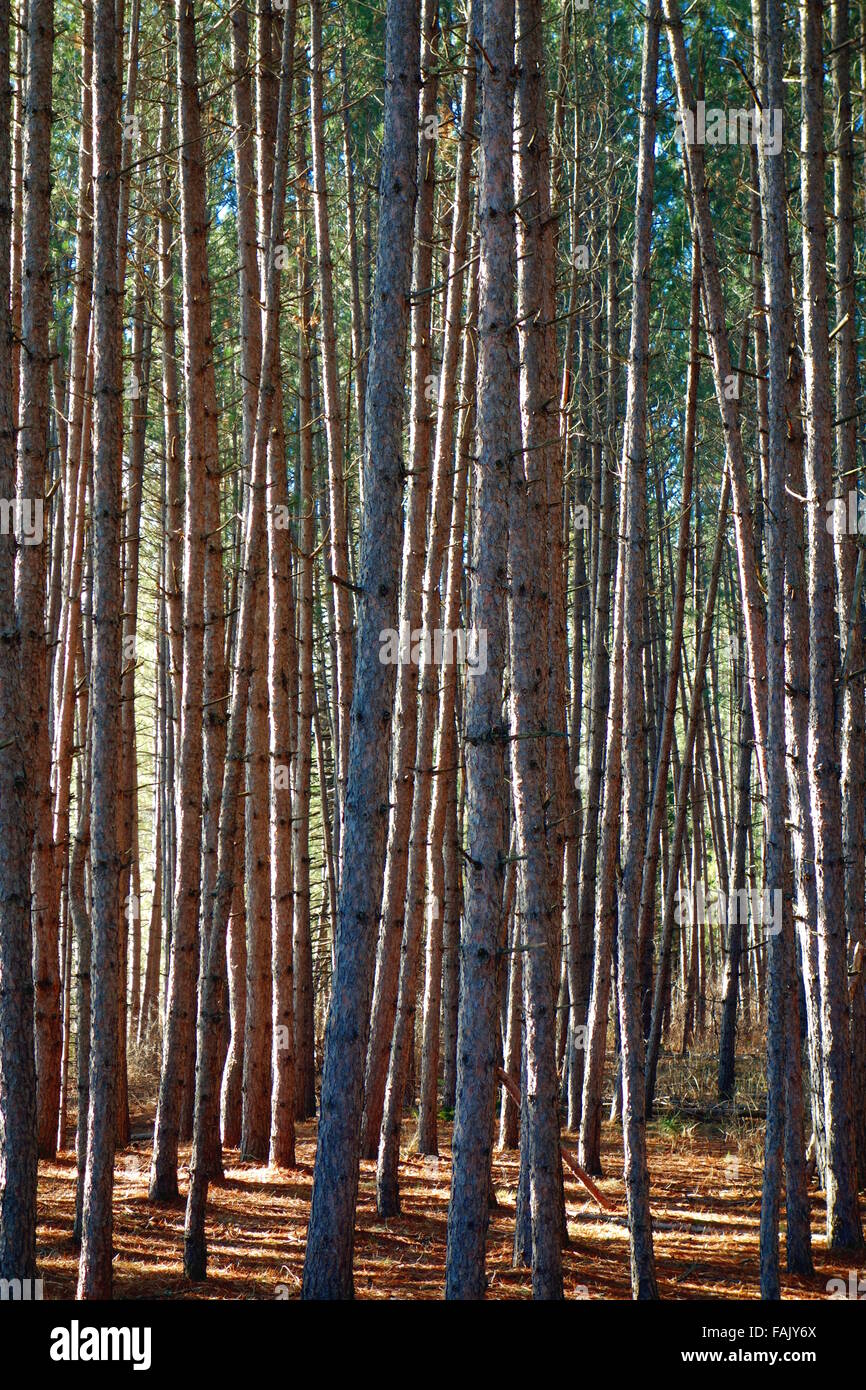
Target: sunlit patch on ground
[(706, 1210)]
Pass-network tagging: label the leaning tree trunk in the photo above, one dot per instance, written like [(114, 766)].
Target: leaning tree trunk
[(658, 806), (724, 380), (662, 983)]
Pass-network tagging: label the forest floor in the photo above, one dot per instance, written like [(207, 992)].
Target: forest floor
[(706, 1199)]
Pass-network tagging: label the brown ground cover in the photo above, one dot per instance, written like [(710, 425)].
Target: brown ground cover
[(706, 1188)]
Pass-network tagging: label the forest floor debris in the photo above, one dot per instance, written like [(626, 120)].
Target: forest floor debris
[(706, 1200)]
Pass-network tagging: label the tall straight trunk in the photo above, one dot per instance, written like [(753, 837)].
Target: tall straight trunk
[(451, 937), (775, 856), (129, 845), (486, 835), (797, 660), (545, 154), (66, 1006), (589, 1150), (445, 770), (339, 544), (94, 1275), (330, 1238), (577, 739), (198, 354), (33, 427), (781, 453), (18, 12), (78, 907), (843, 1219), (241, 1099), (419, 838), (74, 510), (851, 715), (212, 993), (452, 843), (858, 1004), (130, 886), (257, 1053), (643, 1279), (148, 1014), (214, 696), (170, 395), (243, 141), (18, 1149), (798, 1212), (359, 350), (256, 1091), (130, 150), (233, 1067), (597, 942), (305, 1079), (536, 844), (575, 460), (512, 1031), (258, 1022), (596, 487), (582, 951), (282, 701), (735, 889), (395, 984)]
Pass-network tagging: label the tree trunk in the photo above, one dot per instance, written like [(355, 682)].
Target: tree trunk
[(305, 1077), (198, 354), (851, 716), (339, 545), (843, 1220), (486, 835), (212, 1000), (643, 1278), (395, 983), (330, 1239), (33, 424), (18, 1151), (94, 1275)]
